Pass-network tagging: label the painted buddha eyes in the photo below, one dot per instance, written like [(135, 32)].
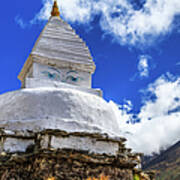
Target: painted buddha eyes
[(70, 76), (73, 79), (52, 76)]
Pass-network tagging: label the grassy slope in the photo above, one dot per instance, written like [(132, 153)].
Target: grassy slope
[(167, 164)]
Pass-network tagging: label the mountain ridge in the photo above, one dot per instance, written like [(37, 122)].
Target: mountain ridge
[(166, 164)]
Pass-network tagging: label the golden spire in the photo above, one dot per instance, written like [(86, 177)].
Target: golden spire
[(55, 9)]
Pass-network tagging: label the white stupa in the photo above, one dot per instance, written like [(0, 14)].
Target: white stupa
[(56, 90)]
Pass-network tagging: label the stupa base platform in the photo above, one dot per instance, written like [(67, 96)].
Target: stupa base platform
[(65, 165), (51, 155)]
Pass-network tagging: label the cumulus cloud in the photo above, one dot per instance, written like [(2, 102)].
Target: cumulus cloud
[(159, 116), (127, 21)]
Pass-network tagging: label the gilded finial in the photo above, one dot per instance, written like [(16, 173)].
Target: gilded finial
[(55, 9)]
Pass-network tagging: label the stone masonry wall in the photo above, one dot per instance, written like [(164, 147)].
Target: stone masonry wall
[(62, 165), (58, 155)]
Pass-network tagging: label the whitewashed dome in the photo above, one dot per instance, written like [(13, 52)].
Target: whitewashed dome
[(56, 108)]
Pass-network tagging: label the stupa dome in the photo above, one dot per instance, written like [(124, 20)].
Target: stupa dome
[(65, 109)]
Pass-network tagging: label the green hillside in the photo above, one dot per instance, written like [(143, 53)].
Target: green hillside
[(167, 164)]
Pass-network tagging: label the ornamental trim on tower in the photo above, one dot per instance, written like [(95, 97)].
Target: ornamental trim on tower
[(55, 9)]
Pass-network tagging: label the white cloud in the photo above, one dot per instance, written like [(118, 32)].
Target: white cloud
[(160, 117), (143, 66), (119, 18)]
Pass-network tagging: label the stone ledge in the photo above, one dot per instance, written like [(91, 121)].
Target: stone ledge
[(101, 137), (80, 143), (12, 142), (7, 159)]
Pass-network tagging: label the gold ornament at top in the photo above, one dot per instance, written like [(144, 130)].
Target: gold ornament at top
[(55, 9)]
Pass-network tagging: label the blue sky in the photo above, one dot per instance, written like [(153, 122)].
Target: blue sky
[(135, 46)]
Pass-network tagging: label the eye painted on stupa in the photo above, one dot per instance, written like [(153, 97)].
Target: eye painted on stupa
[(52, 73), (53, 76), (73, 76)]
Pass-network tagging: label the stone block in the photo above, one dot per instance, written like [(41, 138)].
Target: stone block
[(44, 143), (12, 145), (85, 144)]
